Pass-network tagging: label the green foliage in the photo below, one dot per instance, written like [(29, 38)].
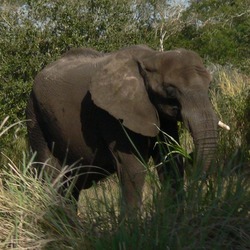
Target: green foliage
[(218, 32)]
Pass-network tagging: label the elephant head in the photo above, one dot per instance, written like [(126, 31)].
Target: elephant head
[(143, 91)]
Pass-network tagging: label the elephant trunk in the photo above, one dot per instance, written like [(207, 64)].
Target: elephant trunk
[(205, 141), (202, 122)]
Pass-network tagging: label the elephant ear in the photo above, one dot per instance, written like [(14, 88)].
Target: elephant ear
[(119, 89)]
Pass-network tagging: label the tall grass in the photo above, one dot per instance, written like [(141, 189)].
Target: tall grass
[(231, 99), (212, 214), (33, 215)]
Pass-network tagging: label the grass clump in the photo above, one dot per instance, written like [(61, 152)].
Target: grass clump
[(32, 213)]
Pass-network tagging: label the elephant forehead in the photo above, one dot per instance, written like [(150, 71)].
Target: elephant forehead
[(194, 73)]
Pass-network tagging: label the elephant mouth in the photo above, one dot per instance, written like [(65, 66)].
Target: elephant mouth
[(170, 112), (173, 113)]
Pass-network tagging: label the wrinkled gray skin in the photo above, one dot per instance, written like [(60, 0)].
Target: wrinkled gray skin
[(78, 103)]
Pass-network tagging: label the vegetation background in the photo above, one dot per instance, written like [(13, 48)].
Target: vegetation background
[(214, 213)]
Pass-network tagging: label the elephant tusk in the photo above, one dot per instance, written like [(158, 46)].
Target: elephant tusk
[(223, 125)]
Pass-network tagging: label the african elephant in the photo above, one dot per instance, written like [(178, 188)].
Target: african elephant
[(87, 107)]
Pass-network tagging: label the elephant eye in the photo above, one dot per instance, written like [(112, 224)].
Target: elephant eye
[(171, 91)]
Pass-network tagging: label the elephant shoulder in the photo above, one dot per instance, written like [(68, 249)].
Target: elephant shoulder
[(79, 52)]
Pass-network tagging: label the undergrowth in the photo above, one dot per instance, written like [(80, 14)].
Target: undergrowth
[(213, 214)]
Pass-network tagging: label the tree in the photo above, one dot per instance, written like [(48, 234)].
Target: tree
[(218, 31)]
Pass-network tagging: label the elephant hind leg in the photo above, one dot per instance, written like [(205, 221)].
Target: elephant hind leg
[(44, 160)]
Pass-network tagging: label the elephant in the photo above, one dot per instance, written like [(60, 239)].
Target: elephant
[(103, 112)]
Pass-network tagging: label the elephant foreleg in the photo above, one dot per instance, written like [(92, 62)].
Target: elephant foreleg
[(131, 174)]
